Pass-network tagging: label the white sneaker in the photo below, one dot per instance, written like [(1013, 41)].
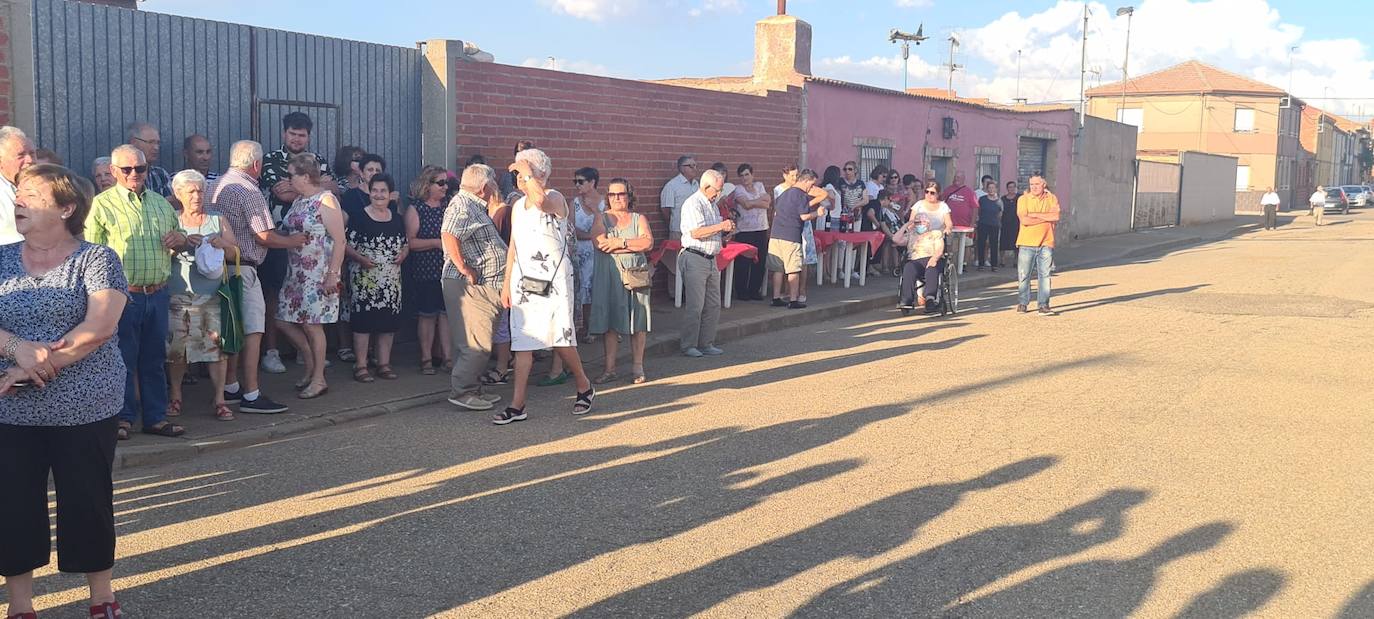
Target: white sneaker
[(692, 352), (712, 351), (489, 397), (470, 402), (271, 363)]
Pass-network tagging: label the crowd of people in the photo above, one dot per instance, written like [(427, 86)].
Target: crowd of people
[(113, 287)]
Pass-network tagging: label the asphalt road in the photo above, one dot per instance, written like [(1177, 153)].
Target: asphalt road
[(1190, 437)]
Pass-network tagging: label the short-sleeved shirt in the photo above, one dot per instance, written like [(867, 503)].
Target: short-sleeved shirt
[(674, 194), (698, 212), (45, 308), (8, 233), (478, 239), (787, 213), (133, 226), (751, 219), (1037, 234), (852, 195), (1270, 198), (963, 205), (989, 211), (236, 197), (274, 170), (159, 180)]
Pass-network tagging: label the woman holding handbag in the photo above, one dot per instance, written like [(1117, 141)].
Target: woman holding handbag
[(195, 319), (622, 282)]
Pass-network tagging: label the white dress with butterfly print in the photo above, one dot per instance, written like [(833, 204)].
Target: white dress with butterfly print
[(541, 246)]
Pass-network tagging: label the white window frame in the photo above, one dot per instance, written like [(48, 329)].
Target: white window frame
[(1240, 127), (1123, 115), (1243, 174)]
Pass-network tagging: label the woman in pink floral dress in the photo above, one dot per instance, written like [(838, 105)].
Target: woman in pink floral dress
[(309, 298)]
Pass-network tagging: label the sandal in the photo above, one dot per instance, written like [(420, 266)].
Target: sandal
[(510, 414), (165, 428), (174, 408), (557, 379), (223, 413), (302, 384), (448, 365), (311, 392), (492, 378), (123, 432), (584, 402), (639, 378), (605, 377), (346, 355), (362, 375), (386, 372), (108, 610), (427, 367)]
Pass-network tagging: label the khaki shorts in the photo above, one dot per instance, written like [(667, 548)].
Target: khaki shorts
[(784, 256), (193, 329), (253, 309)]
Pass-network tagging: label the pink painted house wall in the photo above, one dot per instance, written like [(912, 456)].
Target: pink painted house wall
[(838, 115)]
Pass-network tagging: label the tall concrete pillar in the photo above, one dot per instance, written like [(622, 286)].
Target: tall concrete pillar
[(782, 52), (439, 102)]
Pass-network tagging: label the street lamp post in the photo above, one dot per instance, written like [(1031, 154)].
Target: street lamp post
[(1018, 76), (1129, 12)]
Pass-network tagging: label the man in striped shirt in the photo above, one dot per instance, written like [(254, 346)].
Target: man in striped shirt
[(141, 227)]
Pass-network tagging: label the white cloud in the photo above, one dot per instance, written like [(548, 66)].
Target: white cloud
[(881, 70), (570, 65), (593, 10), (914, 4)]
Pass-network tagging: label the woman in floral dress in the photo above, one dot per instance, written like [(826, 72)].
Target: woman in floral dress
[(376, 247), (309, 298)]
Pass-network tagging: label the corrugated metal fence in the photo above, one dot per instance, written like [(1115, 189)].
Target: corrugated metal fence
[(99, 68)]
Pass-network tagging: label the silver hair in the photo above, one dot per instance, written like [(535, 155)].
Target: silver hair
[(100, 161), (540, 164), (712, 177), (8, 133), (477, 177), (245, 154), (187, 177), (682, 161), (128, 149), (135, 128)]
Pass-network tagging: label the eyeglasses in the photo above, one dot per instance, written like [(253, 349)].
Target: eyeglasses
[(141, 169), (689, 165), (618, 194), (153, 142), (931, 192), (442, 182), (579, 181), (849, 169)]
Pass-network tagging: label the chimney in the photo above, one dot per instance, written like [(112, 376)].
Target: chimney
[(782, 52)]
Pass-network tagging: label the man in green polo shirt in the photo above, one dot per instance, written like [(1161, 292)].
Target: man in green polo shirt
[(141, 227)]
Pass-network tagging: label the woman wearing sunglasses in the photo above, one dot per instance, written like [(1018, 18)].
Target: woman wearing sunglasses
[(936, 214), (424, 219)]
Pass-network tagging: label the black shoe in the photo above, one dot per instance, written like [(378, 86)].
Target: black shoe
[(779, 303), (1047, 311), (932, 306), (262, 406), (1021, 309), (796, 305), (233, 398)]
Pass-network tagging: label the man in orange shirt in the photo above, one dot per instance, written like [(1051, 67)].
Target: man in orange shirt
[(1039, 213)]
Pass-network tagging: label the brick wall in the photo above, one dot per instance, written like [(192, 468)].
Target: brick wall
[(622, 127)]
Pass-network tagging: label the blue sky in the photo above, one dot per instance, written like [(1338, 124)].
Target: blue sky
[(675, 38)]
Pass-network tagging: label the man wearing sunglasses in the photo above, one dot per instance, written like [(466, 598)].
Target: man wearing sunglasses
[(675, 193), (142, 229), (16, 153)]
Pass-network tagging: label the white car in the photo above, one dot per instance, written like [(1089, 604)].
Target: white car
[(1358, 195)]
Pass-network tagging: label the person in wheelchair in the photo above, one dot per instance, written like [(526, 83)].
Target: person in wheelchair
[(924, 238)]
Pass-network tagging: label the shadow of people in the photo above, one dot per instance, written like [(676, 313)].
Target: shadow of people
[(1237, 595), (1125, 298), (1361, 605), (864, 532), (936, 578), (1096, 589)]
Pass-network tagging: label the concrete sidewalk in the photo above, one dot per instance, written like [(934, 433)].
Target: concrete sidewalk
[(348, 400)]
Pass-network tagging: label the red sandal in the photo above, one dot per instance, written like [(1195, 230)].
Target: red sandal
[(108, 610)]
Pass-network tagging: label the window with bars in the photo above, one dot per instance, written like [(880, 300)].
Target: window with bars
[(989, 165), (873, 156)]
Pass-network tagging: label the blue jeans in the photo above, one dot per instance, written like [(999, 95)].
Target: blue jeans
[(143, 344), (1043, 259)]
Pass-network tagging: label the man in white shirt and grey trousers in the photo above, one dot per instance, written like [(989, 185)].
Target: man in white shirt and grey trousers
[(703, 236), (1270, 202)]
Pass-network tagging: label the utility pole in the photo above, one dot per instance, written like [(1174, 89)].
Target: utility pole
[(1129, 12), (1018, 76), (907, 39), (1290, 69), (953, 43), (1083, 73)]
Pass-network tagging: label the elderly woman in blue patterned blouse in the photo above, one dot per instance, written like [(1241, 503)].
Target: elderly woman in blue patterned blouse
[(60, 390)]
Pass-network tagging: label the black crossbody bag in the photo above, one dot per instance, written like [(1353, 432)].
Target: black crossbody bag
[(542, 287)]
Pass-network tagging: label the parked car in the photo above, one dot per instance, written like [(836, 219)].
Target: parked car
[(1357, 194), (1337, 200)]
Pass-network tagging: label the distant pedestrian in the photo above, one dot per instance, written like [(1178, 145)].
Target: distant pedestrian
[(989, 227), (622, 237), (785, 253), (752, 201), (101, 176), (539, 283), (1011, 224), (474, 271), (982, 186), (877, 181), (140, 226), (1270, 202), (16, 153), (1317, 204), (1039, 214), (703, 235), (675, 193), (64, 425), (199, 155), (146, 138), (377, 248)]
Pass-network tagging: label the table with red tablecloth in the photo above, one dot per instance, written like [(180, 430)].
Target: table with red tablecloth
[(725, 261), (846, 243)]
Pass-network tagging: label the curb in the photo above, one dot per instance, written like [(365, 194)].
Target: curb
[(131, 457)]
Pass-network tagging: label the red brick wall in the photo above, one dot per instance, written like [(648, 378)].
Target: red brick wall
[(622, 127)]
